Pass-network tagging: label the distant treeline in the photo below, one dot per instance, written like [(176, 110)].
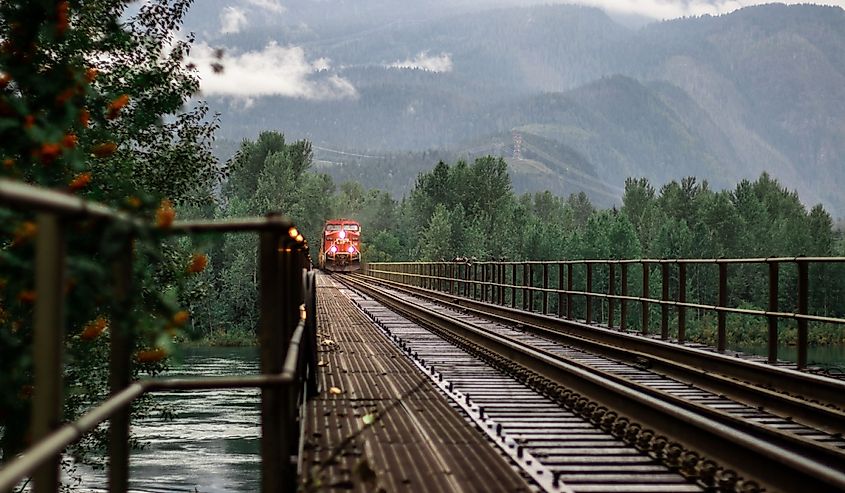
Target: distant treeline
[(468, 209)]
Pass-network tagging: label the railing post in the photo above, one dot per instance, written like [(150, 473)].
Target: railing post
[(773, 307), (313, 385), (531, 291), (569, 286), (682, 298), (721, 329), (274, 463), (513, 285), (803, 308), (664, 308), (560, 288), (611, 291), (467, 277), (483, 282), (524, 284), (491, 278), (588, 300), (48, 342), (623, 304), (121, 343), (494, 294), (293, 279), (545, 288), (645, 296), (494, 279), (500, 280)]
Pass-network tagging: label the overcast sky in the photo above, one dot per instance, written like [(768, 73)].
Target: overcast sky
[(670, 9), (277, 69)]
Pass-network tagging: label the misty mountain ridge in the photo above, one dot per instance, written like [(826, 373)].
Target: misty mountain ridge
[(722, 98)]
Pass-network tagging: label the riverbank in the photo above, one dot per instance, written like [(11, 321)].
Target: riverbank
[(223, 339), (746, 331)]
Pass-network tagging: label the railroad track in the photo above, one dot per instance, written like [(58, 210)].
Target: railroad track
[(603, 423), (816, 399)]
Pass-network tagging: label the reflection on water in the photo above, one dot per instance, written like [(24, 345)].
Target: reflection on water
[(213, 443)]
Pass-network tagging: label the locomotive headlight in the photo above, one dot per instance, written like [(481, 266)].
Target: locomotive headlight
[(333, 249), (351, 249), (342, 234)]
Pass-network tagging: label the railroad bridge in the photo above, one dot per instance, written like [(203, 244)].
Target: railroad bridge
[(563, 376)]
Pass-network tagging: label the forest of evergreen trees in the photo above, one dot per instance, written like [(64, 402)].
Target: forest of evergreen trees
[(468, 209)]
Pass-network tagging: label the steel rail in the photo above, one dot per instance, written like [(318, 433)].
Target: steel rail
[(831, 456), (776, 465), (810, 386), (813, 414)]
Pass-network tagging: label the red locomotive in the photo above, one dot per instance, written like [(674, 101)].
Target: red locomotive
[(341, 247)]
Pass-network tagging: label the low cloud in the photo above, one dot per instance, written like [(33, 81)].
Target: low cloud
[(232, 20), (671, 9), (269, 5), (424, 61), (273, 71)]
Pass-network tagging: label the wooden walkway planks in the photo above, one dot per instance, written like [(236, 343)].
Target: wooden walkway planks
[(417, 441)]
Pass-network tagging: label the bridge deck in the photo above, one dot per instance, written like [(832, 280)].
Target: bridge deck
[(417, 442)]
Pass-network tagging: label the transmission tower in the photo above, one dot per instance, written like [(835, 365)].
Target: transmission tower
[(517, 146)]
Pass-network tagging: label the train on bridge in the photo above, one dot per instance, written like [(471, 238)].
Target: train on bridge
[(340, 250)]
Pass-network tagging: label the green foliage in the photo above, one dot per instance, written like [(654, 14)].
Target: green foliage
[(91, 103)]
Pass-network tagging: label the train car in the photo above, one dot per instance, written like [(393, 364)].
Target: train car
[(340, 250)]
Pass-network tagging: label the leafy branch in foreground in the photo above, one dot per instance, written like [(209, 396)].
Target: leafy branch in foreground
[(93, 105)]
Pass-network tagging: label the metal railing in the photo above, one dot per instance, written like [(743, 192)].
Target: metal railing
[(526, 285), (287, 337)]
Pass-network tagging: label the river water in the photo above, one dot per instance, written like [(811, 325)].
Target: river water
[(829, 357), (212, 445)]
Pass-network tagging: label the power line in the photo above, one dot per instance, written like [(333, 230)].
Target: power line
[(335, 151)]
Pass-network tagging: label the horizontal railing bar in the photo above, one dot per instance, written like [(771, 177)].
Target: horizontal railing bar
[(40, 199), (209, 383), (754, 260), (269, 223), (715, 308), (24, 465)]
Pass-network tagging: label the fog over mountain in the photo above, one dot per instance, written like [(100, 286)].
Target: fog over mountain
[(591, 95)]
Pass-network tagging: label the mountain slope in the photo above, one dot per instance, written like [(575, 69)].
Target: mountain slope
[(723, 98)]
